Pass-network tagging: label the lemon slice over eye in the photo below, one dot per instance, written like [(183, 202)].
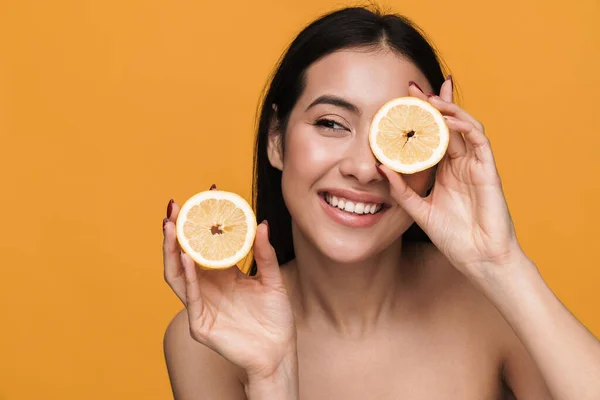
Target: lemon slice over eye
[(216, 228), (408, 135)]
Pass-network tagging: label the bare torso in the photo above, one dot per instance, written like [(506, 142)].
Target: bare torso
[(447, 341)]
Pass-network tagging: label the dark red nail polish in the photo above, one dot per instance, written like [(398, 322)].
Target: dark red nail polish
[(268, 228), (431, 95), (449, 78), (213, 187), (415, 85), (170, 208), (165, 220)]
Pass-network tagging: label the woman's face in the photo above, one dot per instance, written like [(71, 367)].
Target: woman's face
[(327, 154)]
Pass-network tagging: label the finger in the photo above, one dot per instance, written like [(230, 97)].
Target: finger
[(453, 110), (456, 144), (172, 211), (266, 259), (194, 303), (415, 90), (446, 91), (173, 273), (476, 141), (416, 206)]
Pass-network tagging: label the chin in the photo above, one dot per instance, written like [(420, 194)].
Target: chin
[(343, 250)]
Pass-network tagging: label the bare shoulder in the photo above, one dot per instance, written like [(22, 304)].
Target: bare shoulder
[(457, 297), (196, 372), (462, 299), (471, 307)]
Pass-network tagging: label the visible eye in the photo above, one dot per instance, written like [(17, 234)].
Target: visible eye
[(330, 124)]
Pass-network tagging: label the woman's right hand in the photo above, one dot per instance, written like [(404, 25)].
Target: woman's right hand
[(248, 320)]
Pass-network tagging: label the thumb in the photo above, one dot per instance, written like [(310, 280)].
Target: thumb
[(266, 259), (415, 205)]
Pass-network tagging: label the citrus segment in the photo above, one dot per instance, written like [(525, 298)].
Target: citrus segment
[(216, 228), (408, 135)]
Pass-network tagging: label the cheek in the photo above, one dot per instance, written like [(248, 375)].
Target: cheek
[(307, 154)]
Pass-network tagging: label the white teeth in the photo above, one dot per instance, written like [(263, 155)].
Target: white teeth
[(352, 207), (359, 208)]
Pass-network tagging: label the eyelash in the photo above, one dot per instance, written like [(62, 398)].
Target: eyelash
[(325, 124)]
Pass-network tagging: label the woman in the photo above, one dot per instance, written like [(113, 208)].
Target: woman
[(348, 306)]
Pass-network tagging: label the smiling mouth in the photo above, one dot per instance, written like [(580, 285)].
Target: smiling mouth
[(352, 207)]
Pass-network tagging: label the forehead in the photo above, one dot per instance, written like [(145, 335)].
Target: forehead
[(365, 78)]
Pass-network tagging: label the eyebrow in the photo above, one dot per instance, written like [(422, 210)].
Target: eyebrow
[(335, 101)]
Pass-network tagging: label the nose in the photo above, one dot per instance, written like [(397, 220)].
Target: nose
[(359, 162)]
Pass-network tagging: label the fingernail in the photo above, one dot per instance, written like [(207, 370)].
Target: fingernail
[(165, 220), (415, 85), (449, 78), (268, 228), (170, 208), (380, 171), (213, 187), (431, 95)]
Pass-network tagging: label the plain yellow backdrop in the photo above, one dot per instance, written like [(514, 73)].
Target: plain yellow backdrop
[(109, 108)]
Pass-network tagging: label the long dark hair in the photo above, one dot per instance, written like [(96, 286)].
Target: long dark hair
[(354, 27)]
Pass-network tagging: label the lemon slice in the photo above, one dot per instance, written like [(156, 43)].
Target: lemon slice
[(216, 228), (408, 135)]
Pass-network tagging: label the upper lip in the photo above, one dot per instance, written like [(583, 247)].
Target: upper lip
[(359, 197)]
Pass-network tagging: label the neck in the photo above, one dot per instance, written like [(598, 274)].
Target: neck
[(353, 299)]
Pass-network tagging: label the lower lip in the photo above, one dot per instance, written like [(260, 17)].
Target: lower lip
[(350, 219)]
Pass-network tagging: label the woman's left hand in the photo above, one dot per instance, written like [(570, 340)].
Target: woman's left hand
[(465, 215)]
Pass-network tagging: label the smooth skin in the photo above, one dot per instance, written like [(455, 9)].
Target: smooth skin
[(358, 314)]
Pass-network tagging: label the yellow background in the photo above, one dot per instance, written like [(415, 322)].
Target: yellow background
[(109, 108)]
